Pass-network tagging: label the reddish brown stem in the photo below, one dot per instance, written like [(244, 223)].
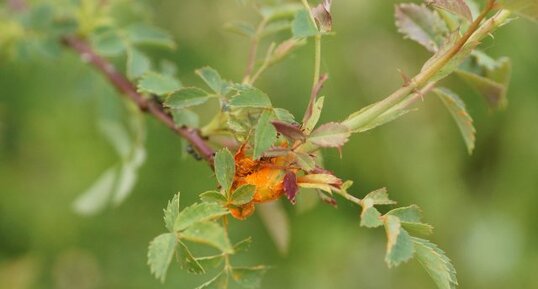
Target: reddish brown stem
[(313, 95), (123, 85)]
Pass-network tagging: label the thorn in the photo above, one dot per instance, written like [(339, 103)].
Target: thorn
[(405, 78)]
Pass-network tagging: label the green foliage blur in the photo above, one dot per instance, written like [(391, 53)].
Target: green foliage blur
[(482, 206)]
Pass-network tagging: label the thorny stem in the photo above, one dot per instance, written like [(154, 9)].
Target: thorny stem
[(124, 86), (475, 32)]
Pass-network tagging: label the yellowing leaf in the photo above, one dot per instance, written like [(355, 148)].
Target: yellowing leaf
[(378, 197), (399, 245), (456, 107)]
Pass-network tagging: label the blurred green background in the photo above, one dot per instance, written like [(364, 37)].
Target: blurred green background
[(482, 206)]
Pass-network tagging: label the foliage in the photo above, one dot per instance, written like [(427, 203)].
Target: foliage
[(273, 154)]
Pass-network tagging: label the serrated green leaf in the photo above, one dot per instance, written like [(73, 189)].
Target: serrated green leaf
[(141, 33), (160, 253), (284, 115), (196, 213), (243, 195), (243, 246), (187, 97), (187, 261), (251, 97), (218, 282), (212, 78), (312, 120), (137, 63), (213, 197), (331, 134), (249, 277), (159, 84), (185, 117), (264, 136), (209, 233), (400, 247), (225, 168), (418, 228), (302, 25), (436, 263), (421, 24), (370, 217), (407, 214), (456, 107), (171, 212)]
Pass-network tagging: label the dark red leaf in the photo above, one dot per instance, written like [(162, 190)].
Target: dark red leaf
[(289, 130), (290, 186)]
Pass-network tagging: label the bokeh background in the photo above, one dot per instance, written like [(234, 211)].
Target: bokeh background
[(482, 206)]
